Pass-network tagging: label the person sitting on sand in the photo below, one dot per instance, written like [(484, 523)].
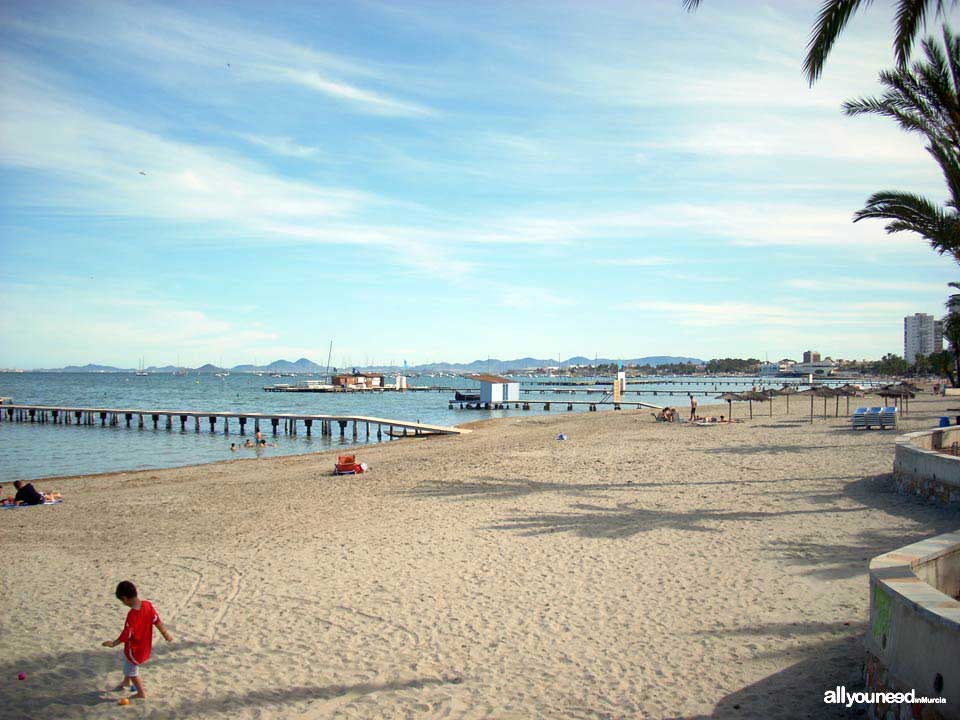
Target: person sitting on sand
[(26, 494)]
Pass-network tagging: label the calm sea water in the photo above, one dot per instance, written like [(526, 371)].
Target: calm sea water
[(35, 451)]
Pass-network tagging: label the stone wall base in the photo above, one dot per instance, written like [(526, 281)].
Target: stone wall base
[(927, 488), (878, 680)]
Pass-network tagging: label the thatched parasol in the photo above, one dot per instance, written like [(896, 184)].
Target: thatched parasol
[(899, 392), (729, 397), (849, 391), (818, 391), (786, 391), (752, 396)]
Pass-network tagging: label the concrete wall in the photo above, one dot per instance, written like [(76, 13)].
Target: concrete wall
[(914, 638), (920, 470)]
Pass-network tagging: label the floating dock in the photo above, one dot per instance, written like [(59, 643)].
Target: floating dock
[(290, 423)]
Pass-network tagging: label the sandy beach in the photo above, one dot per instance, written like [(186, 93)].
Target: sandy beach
[(635, 570)]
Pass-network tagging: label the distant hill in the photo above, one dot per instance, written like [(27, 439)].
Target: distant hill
[(303, 365), (526, 363), (91, 369)]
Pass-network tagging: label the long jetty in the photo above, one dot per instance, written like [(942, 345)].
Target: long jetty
[(547, 404), (290, 423)]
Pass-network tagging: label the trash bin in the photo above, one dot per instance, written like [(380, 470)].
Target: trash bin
[(944, 422)]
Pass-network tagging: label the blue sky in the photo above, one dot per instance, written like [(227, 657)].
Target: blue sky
[(446, 181)]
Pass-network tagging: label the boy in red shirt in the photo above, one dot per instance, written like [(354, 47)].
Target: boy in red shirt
[(137, 635)]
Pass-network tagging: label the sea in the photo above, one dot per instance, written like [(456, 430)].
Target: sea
[(33, 451)]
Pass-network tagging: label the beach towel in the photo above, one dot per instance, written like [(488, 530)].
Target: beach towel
[(48, 502)]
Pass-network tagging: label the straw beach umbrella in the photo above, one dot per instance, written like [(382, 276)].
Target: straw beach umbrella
[(729, 397), (817, 391), (849, 391), (786, 391), (752, 396), (899, 392)]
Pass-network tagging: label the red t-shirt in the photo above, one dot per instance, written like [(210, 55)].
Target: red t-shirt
[(137, 635)]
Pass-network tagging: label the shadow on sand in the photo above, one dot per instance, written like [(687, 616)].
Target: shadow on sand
[(626, 520), (798, 690), (849, 559), (67, 686)]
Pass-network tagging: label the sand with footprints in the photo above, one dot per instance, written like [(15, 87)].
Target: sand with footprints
[(634, 569)]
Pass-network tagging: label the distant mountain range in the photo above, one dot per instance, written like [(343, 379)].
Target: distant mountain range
[(305, 366)]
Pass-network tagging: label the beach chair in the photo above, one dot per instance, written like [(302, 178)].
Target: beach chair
[(347, 465), (872, 417), (888, 418), (859, 418)]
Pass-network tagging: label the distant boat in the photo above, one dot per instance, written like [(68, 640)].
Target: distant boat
[(141, 372)]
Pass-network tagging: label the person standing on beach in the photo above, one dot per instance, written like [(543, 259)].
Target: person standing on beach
[(693, 407), (137, 635)]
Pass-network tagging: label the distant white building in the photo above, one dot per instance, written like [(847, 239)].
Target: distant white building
[(815, 367), (922, 335), (769, 368), (496, 389)]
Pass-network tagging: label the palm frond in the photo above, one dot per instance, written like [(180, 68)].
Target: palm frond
[(832, 18), (691, 5), (910, 17), (912, 213)]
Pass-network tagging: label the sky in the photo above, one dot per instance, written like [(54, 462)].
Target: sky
[(237, 182)]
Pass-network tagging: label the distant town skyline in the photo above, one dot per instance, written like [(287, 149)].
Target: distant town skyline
[(444, 181)]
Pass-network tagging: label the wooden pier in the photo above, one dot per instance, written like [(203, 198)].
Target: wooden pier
[(289, 423), (548, 404)]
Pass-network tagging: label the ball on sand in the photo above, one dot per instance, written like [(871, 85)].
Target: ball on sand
[(124, 701), (22, 676)]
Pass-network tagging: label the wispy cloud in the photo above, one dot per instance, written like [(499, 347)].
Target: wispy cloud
[(850, 284), (746, 314), (651, 261), (182, 51), (281, 145), (372, 101)]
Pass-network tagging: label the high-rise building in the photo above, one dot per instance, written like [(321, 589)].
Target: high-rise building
[(811, 356), (921, 335)]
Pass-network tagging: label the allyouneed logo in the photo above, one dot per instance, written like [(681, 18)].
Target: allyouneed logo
[(840, 696)]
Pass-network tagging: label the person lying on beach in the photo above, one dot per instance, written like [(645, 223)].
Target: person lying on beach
[(26, 494)]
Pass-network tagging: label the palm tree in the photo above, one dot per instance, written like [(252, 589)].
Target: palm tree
[(923, 99), (834, 15), (951, 331)]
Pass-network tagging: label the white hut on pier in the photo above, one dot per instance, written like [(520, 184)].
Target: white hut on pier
[(496, 389)]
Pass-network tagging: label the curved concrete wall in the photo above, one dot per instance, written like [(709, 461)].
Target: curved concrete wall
[(914, 638), (920, 470)]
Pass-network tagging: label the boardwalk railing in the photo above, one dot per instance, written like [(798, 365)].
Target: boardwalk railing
[(288, 421)]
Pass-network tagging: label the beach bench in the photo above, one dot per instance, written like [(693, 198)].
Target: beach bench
[(872, 417), (859, 418), (888, 418)]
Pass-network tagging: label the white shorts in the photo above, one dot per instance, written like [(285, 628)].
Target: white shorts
[(130, 669)]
